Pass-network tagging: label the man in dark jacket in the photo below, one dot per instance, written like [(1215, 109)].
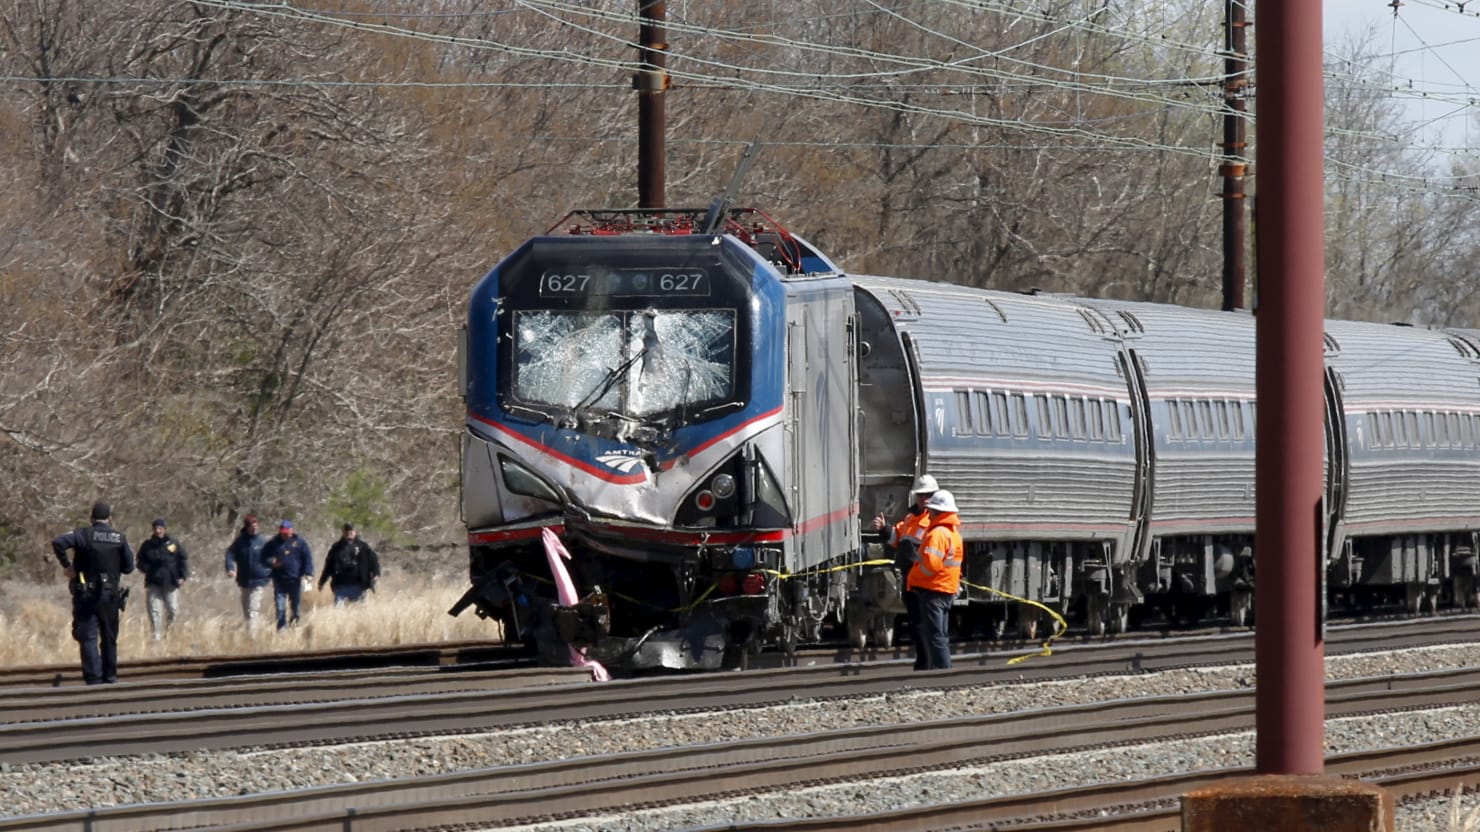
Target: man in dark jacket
[(290, 560), (166, 567), (350, 568), (100, 554), (244, 564)]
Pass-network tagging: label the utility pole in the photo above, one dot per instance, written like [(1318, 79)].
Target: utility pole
[(1235, 218), (651, 82)]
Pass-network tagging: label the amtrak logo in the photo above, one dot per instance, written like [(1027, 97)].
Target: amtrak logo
[(624, 462)]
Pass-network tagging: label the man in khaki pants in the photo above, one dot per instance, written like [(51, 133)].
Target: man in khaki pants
[(244, 563)]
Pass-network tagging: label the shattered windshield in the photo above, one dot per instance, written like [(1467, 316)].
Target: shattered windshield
[(636, 363)]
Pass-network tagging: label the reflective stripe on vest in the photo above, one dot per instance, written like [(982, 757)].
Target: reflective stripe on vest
[(947, 576), (912, 527)]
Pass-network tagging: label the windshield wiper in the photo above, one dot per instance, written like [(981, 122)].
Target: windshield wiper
[(608, 381), (650, 344)]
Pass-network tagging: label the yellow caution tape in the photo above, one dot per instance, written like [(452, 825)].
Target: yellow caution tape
[(786, 576), (1060, 626)]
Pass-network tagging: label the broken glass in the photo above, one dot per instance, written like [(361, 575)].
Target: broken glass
[(637, 363)]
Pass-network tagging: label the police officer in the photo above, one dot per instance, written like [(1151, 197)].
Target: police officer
[(100, 554)]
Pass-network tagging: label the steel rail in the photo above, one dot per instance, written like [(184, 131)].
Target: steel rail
[(19, 705), (1153, 804), (207, 667), (582, 786), (264, 723)]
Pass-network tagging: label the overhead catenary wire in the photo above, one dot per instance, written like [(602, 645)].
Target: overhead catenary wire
[(814, 83), (888, 87)]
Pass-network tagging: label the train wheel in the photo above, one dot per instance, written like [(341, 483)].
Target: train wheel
[(1464, 591), (1096, 615), (1240, 604), (1027, 622), (857, 633), (1120, 618), (788, 640), (1413, 597), (884, 632)]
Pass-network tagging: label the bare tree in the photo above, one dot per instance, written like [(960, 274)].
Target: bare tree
[(239, 238)]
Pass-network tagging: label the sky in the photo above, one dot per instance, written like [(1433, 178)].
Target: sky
[(1430, 46)]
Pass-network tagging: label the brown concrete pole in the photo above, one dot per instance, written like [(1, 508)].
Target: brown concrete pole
[(1289, 804), (1289, 648)]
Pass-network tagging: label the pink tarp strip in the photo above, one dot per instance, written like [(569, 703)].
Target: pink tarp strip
[(565, 591)]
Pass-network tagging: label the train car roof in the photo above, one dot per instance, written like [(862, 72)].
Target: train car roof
[(1184, 348), (969, 337), (1385, 365)]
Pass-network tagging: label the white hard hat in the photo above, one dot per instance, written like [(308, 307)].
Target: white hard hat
[(924, 485), (941, 501)]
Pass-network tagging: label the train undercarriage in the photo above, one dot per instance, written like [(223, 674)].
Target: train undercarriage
[(707, 608), (674, 607)]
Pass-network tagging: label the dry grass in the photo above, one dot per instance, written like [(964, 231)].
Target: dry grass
[(1459, 819), (406, 609)]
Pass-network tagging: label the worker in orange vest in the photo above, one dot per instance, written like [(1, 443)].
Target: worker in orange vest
[(935, 578), (905, 537)]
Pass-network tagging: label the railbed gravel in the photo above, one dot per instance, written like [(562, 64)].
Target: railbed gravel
[(43, 788)]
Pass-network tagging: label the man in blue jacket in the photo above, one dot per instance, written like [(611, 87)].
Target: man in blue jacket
[(244, 564), (289, 558)]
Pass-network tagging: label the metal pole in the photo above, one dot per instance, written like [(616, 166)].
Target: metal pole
[(1234, 216), (651, 82), (1289, 645)]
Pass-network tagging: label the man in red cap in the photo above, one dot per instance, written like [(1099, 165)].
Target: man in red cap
[(290, 559)]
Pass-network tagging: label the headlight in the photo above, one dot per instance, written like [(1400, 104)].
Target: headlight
[(723, 486)]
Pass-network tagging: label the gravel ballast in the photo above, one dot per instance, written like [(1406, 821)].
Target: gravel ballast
[(42, 788)]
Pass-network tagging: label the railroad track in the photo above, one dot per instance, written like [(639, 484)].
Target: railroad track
[(445, 654), (580, 787), (1344, 638), (46, 725), (487, 654), (1153, 804)]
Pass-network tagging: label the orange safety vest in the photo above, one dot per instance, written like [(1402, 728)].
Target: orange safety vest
[(939, 566), (912, 527)]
